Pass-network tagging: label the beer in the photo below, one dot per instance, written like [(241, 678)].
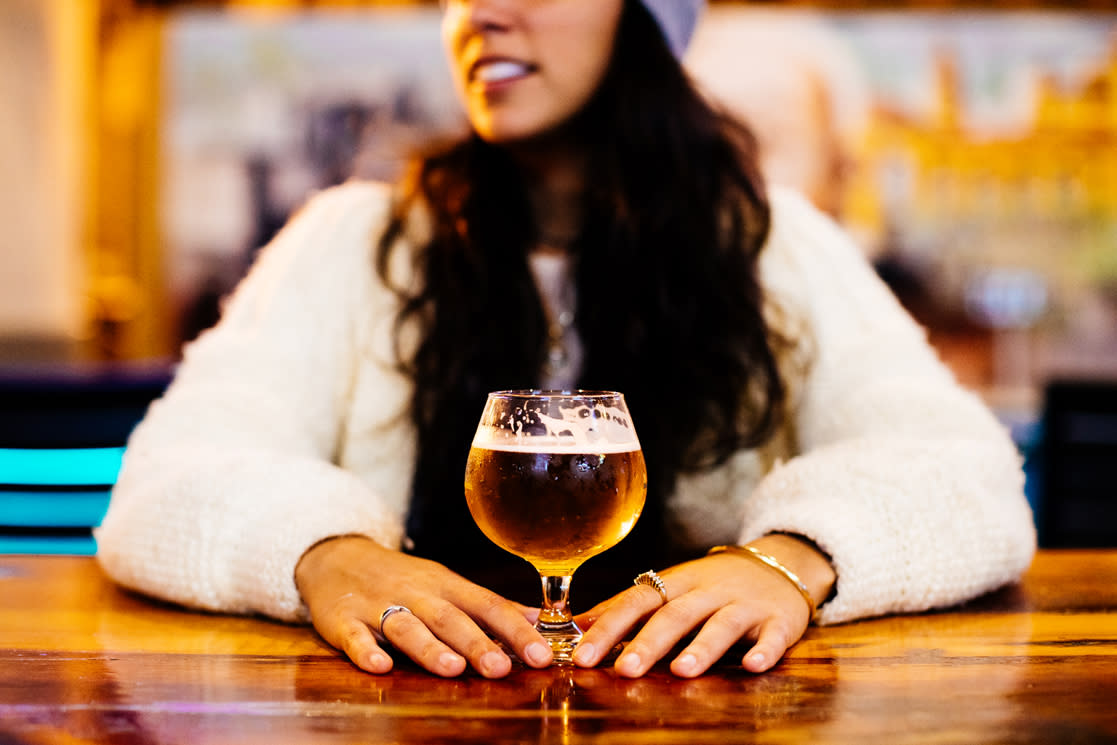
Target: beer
[(555, 477), (556, 508)]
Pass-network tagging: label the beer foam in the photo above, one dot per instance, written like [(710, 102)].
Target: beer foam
[(576, 430), (491, 438)]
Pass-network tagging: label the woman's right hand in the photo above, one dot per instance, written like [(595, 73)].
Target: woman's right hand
[(348, 582)]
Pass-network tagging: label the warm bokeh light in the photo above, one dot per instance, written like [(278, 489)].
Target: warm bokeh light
[(156, 145)]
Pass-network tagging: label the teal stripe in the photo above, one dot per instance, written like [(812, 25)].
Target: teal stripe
[(60, 467), (70, 545), (68, 509)]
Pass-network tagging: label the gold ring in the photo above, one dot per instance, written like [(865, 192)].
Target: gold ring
[(654, 581)]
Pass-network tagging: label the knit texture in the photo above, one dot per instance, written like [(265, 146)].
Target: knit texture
[(286, 425)]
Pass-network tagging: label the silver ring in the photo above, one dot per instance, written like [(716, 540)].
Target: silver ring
[(390, 611), (654, 581)]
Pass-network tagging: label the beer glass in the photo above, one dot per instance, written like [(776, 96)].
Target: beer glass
[(556, 477)]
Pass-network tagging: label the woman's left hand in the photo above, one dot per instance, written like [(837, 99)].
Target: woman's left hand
[(725, 596)]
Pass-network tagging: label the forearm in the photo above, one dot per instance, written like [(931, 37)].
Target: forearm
[(223, 531), (910, 524)]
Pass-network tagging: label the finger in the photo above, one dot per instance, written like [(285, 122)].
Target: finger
[(723, 629), (456, 628), (355, 638), (663, 631), (617, 617), (511, 622), (530, 613), (775, 637), (588, 618), (411, 636)]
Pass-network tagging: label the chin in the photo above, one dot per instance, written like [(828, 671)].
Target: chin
[(504, 130), (537, 141), (508, 135)]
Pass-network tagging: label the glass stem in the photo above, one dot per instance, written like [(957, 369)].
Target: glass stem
[(556, 593)]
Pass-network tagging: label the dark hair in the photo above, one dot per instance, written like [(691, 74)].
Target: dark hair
[(670, 307)]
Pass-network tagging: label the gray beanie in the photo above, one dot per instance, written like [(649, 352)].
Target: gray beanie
[(676, 18)]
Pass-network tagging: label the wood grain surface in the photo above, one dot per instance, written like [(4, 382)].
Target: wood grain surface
[(82, 661)]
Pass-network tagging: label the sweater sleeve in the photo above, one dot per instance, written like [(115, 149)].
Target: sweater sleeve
[(904, 478), (230, 476)]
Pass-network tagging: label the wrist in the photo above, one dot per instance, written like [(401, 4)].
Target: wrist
[(802, 563), (323, 552), (801, 556)]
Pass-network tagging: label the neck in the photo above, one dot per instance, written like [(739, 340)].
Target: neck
[(556, 184)]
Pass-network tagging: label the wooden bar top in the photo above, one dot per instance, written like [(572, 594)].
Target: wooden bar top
[(82, 661)]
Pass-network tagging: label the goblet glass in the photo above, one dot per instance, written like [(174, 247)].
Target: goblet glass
[(556, 477)]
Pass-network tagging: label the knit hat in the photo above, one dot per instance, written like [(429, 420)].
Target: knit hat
[(676, 18)]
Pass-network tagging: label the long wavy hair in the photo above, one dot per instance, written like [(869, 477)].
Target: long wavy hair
[(670, 308)]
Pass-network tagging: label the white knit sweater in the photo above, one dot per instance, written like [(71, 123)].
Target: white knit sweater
[(283, 427)]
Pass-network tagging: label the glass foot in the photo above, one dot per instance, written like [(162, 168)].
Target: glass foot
[(563, 638), (563, 651)]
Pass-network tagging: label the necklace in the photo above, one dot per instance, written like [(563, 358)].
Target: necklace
[(562, 362), (558, 352)]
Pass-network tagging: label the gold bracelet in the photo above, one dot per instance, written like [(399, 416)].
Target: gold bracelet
[(770, 561)]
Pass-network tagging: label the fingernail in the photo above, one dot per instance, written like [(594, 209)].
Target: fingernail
[(538, 653), (449, 659), (686, 663), (757, 659), (584, 654), (493, 662), (378, 660), (629, 663)]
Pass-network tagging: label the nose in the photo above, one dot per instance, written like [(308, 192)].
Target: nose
[(484, 15)]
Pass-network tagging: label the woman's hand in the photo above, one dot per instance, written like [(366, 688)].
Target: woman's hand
[(348, 582), (726, 596)]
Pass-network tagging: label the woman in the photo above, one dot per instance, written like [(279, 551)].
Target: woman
[(600, 227)]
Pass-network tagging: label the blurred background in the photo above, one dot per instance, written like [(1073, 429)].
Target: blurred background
[(151, 147)]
